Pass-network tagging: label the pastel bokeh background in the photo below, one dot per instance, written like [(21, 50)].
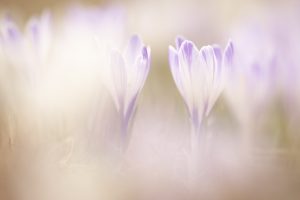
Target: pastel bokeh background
[(59, 140)]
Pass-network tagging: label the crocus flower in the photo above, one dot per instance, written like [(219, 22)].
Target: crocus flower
[(254, 75), (199, 76), (129, 71), (25, 50)]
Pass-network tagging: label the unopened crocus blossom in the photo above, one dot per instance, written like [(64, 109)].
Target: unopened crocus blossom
[(199, 76), (129, 70)]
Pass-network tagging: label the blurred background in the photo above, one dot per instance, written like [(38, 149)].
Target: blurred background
[(57, 140)]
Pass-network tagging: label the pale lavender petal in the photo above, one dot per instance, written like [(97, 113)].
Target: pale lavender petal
[(218, 53), (188, 60), (130, 108), (147, 58), (10, 32), (133, 50), (218, 56), (33, 28), (228, 54), (207, 55), (118, 77), (127, 116), (142, 66), (145, 53), (187, 53), (210, 81), (174, 66), (38, 30)]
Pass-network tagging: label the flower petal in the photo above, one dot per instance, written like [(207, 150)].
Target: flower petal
[(133, 50), (188, 59), (147, 59), (186, 53), (210, 80), (218, 56), (10, 32), (119, 78), (130, 108), (174, 66), (141, 69), (228, 54)]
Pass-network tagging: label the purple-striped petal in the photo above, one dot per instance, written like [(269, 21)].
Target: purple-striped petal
[(142, 67), (133, 50), (219, 58), (207, 56), (187, 53), (174, 66), (228, 54), (130, 108)]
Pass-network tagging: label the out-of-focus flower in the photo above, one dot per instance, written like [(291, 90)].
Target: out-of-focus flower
[(129, 71), (199, 76), (253, 78), (29, 50)]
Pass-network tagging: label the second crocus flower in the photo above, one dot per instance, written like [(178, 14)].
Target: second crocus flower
[(199, 76)]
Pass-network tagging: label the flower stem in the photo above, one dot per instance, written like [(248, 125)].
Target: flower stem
[(194, 153), (124, 131)]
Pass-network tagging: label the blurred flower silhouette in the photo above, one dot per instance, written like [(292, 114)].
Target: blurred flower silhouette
[(254, 78), (32, 45)]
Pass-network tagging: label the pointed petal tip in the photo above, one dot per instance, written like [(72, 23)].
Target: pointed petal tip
[(229, 50), (179, 40), (187, 44), (134, 35), (230, 45), (135, 39), (207, 50), (134, 49), (188, 52), (135, 42)]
